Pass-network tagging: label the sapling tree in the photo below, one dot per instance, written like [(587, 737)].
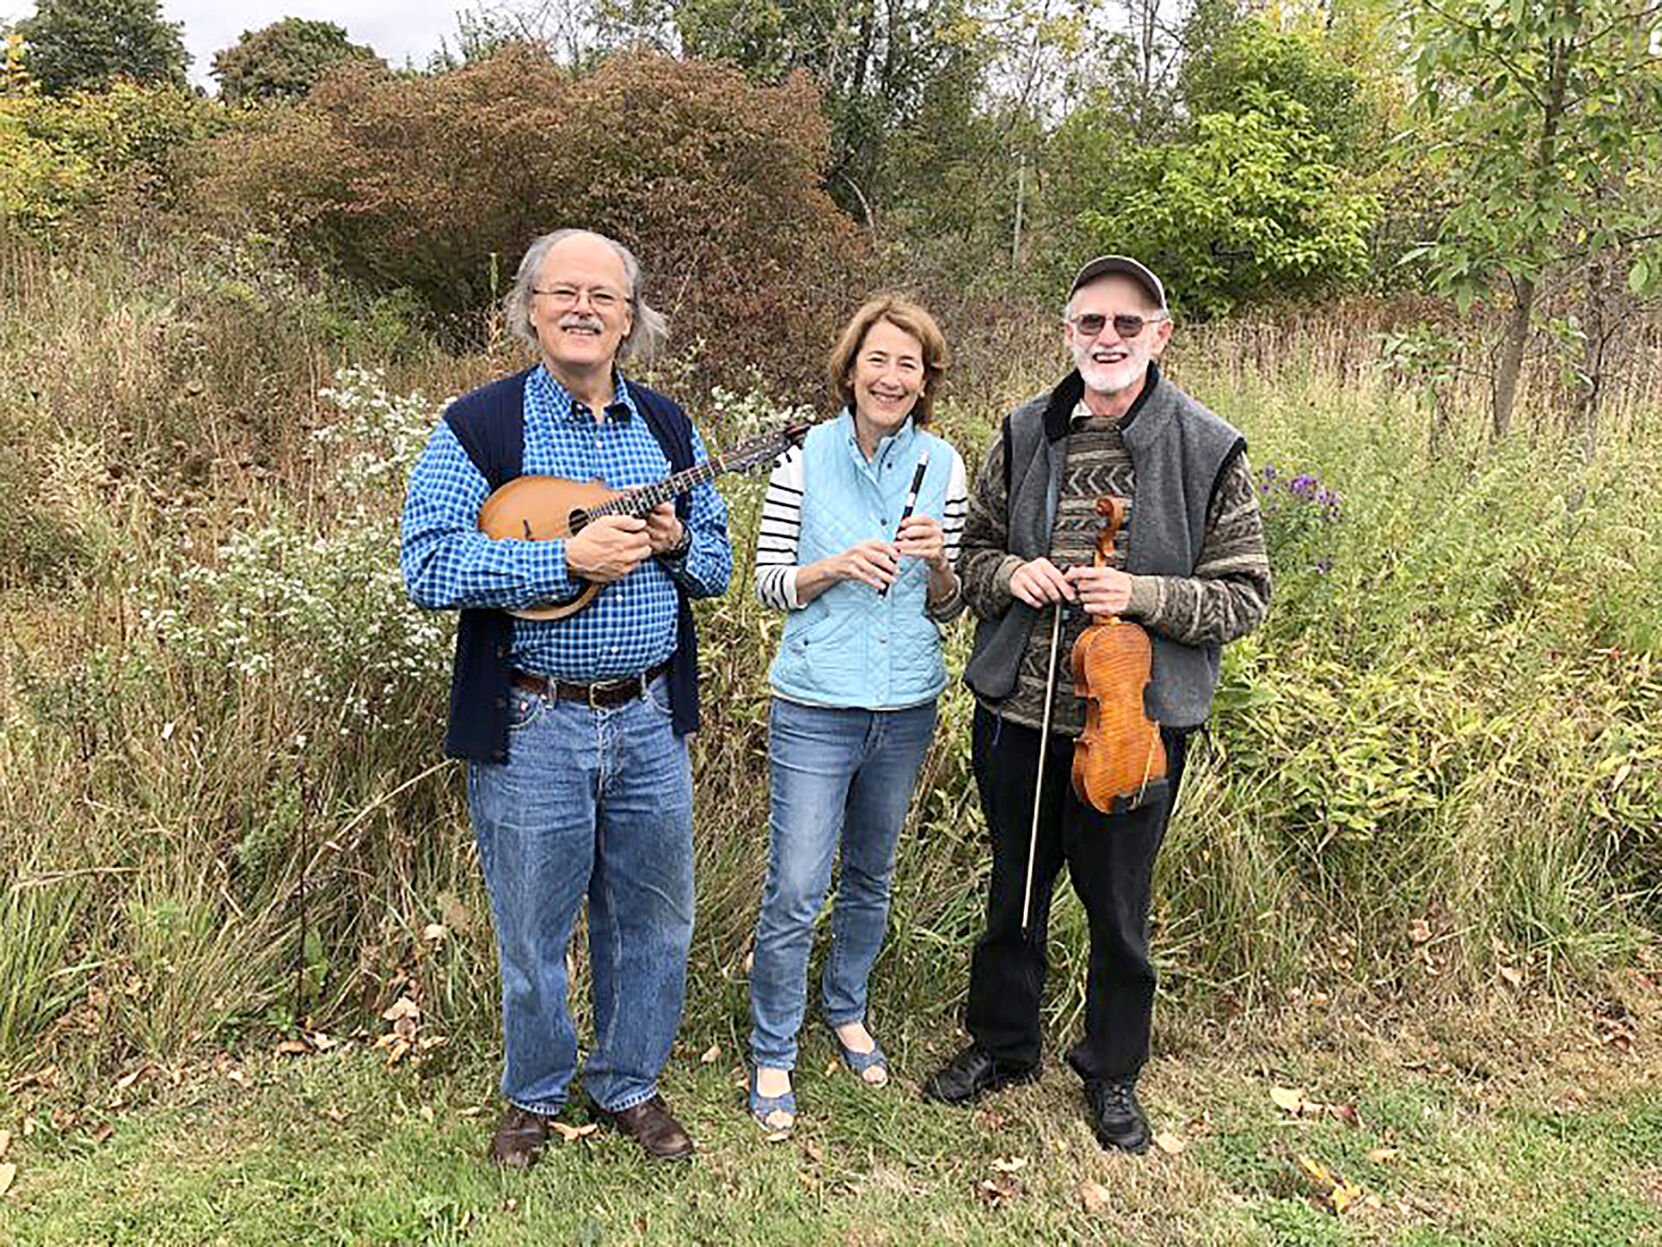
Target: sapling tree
[(1545, 120)]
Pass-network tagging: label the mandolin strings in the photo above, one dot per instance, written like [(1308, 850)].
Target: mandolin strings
[(642, 498)]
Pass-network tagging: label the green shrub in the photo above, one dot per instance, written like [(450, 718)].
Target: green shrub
[(437, 184), (60, 156)]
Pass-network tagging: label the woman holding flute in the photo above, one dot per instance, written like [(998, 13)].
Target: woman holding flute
[(858, 536)]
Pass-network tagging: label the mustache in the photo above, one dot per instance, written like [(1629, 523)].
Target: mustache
[(580, 321)]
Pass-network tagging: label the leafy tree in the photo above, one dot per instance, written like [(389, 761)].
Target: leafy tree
[(879, 66), (715, 182), (1547, 118), (75, 44), (1251, 202), (1297, 64), (282, 60)]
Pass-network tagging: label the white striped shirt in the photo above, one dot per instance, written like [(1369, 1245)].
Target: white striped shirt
[(781, 527)]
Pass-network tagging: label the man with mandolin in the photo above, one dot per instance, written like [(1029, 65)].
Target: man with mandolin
[(567, 513), (1114, 526)]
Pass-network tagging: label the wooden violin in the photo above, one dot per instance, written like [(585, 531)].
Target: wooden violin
[(550, 508), (1120, 754)]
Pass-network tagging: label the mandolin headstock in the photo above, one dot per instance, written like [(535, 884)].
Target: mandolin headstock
[(765, 448)]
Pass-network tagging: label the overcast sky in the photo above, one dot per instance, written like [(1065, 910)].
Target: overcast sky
[(396, 29)]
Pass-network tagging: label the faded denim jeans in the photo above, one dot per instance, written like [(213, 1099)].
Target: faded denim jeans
[(836, 776), (597, 803)]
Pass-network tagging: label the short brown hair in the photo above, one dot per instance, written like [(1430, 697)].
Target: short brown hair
[(905, 315)]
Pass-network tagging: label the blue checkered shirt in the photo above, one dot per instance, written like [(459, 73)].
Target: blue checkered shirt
[(630, 625)]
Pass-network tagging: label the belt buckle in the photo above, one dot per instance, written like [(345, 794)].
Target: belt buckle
[(606, 688)]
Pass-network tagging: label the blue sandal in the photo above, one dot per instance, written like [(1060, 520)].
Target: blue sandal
[(763, 1107), (860, 1062)]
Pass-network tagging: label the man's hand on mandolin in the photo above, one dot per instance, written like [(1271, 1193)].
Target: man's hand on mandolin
[(1102, 591), (1039, 582), (664, 528), (608, 548)]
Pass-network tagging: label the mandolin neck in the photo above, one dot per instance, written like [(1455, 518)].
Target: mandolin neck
[(643, 498)]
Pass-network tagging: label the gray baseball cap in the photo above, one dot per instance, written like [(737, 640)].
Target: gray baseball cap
[(1124, 265)]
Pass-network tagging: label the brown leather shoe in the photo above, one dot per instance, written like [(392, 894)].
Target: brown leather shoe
[(651, 1125), (519, 1138)]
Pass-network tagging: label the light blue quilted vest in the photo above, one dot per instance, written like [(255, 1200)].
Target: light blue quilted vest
[(850, 647)]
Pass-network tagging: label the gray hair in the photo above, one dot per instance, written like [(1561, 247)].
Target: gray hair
[(649, 329)]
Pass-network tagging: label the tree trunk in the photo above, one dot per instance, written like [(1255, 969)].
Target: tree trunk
[(1595, 341), (1511, 358)]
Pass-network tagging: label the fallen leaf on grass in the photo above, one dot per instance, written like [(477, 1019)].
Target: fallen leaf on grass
[(816, 1153), (8, 1175), (570, 1134), (1169, 1143), (1337, 1191), (1094, 1196), (403, 1007), (997, 1191), (1382, 1155), (1294, 1100), (710, 1055), (397, 1050), (102, 1133), (237, 1076), (293, 1047), (1512, 975), (433, 933), (1010, 1165), (1289, 1098)]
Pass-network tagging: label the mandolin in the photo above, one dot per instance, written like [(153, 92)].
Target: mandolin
[(550, 508)]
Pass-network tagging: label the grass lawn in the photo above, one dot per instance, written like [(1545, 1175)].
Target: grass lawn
[(1539, 1125)]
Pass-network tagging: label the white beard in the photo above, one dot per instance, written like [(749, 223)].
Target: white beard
[(1113, 378)]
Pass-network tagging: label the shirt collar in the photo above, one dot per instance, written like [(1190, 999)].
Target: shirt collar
[(565, 407), (1081, 413)]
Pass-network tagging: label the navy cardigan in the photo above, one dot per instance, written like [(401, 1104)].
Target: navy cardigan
[(490, 425)]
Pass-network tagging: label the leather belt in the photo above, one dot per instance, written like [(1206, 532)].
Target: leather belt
[(599, 694)]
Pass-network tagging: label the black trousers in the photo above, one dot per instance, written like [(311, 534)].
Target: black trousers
[(1110, 859)]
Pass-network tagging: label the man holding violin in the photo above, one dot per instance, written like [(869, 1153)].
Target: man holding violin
[(1190, 568), (574, 728)]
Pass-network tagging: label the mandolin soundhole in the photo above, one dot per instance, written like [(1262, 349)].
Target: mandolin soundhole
[(577, 521)]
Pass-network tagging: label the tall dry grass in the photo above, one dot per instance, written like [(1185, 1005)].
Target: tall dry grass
[(1437, 768)]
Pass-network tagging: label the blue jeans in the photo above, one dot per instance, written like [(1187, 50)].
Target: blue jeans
[(836, 775), (594, 802)]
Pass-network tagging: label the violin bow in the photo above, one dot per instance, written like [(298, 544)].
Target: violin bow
[(1039, 779)]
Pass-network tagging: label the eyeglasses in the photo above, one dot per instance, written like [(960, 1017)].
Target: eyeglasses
[(1126, 324), (602, 299)]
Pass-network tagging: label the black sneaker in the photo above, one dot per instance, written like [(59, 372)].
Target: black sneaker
[(1116, 1116), (972, 1074)]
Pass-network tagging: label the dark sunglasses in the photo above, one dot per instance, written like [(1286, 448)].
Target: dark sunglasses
[(1126, 324)]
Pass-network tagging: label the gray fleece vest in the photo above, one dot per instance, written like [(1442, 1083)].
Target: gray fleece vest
[(1179, 451)]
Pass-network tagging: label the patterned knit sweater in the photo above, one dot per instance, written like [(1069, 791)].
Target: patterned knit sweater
[(1225, 598)]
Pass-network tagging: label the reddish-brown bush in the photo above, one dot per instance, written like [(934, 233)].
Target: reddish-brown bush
[(715, 182)]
